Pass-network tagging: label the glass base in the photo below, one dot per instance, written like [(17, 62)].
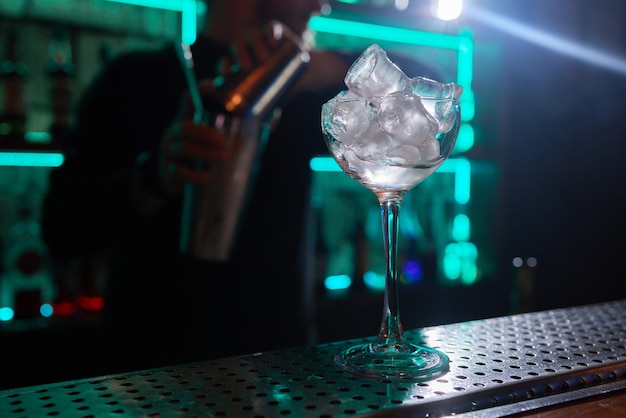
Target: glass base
[(399, 360)]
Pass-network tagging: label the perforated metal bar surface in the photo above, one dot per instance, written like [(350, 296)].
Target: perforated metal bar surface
[(503, 364)]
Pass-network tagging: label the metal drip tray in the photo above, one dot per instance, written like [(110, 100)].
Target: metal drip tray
[(502, 365)]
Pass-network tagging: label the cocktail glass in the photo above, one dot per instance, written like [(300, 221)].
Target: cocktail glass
[(389, 152)]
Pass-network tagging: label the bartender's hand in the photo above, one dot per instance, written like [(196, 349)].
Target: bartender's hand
[(190, 151)]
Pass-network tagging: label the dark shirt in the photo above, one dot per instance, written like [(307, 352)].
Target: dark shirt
[(162, 307)]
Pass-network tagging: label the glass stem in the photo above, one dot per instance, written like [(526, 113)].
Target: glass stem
[(390, 328)]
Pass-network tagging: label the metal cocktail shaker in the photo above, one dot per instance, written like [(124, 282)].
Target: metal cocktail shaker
[(240, 108)]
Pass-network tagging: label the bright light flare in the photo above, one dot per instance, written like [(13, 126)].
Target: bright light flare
[(542, 38), (401, 4), (446, 9)]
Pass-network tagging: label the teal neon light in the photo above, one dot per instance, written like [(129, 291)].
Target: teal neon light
[(465, 139), (459, 262), (46, 310), (31, 159), (462, 43), (460, 167), (173, 5), (186, 7), (385, 33), (374, 280), (6, 314), (37, 137), (324, 164), (462, 170), (337, 282), (461, 228)]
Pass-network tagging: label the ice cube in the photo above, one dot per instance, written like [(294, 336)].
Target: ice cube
[(374, 74), (430, 150), (373, 144), (405, 119), (431, 91), (445, 114), (405, 154), (426, 87), (345, 120)]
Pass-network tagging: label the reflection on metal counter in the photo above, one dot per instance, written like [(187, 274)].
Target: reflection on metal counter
[(498, 367)]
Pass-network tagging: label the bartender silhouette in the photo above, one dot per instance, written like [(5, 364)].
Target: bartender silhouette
[(117, 197)]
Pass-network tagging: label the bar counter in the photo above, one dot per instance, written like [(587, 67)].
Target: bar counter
[(518, 365)]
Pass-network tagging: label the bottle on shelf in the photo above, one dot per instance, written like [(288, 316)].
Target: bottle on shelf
[(13, 73), (26, 283), (60, 70)]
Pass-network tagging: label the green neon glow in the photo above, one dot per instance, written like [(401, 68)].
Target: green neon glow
[(465, 138), (460, 167), (461, 228), (173, 5), (324, 164), (6, 314), (469, 274), (384, 33), (459, 262), (31, 159), (373, 280), (186, 7), (465, 74), (37, 137), (46, 310), (462, 43), (340, 281), (462, 170), (452, 266)]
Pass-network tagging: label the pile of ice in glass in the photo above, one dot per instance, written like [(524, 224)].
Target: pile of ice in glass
[(387, 116)]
